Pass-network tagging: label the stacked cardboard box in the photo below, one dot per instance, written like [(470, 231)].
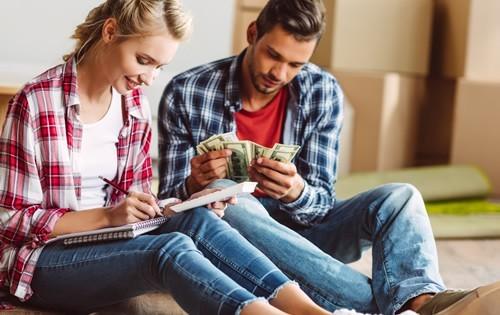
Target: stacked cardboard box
[(379, 52), (6, 93), (466, 50)]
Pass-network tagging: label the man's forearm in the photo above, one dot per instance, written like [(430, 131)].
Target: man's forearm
[(191, 186)]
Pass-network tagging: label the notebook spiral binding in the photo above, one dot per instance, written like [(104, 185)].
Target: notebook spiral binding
[(116, 235)]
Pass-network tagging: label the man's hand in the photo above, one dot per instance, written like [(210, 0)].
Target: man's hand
[(206, 168), (278, 180)]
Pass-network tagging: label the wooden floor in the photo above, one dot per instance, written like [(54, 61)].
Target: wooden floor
[(463, 263)]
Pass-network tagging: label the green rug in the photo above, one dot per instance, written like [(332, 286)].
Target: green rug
[(463, 207)]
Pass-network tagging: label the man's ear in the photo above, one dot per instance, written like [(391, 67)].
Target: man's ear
[(109, 30), (252, 33)]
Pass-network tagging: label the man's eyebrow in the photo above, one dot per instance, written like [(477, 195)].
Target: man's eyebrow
[(300, 63)]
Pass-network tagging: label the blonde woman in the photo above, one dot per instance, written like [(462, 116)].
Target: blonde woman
[(88, 118)]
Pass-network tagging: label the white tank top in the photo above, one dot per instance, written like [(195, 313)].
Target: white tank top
[(98, 154)]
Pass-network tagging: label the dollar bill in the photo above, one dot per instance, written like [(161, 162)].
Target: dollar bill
[(284, 152), (244, 152), (238, 161)]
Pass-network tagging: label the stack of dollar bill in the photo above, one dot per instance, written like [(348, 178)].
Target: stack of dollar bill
[(244, 152)]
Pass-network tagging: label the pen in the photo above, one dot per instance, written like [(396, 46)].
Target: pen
[(115, 186)]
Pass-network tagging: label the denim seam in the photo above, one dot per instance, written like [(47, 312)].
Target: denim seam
[(222, 258), (386, 267)]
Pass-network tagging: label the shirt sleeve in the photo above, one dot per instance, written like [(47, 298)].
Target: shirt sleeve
[(22, 218), (142, 168), (175, 149), (317, 161)]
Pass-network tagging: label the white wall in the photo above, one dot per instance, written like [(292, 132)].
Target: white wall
[(35, 34)]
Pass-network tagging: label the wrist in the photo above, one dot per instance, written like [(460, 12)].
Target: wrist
[(106, 217), (192, 186), (295, 192)]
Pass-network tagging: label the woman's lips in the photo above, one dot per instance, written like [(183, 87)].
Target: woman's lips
[(131, 84)]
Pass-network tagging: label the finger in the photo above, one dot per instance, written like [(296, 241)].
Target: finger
[(273, 175), (283, 168), (232, 201), (212, 155), (145, 208), (150, 200), (218, 205), (140, 215), (267, 186), (219, 172), (212, 165), (219, 213)]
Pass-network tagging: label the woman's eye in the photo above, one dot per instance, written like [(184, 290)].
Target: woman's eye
[(142, 61)]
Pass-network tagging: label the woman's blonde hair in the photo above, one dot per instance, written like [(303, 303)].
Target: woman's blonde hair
[(133, 18)]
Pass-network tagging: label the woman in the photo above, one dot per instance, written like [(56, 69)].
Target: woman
[(88, 118)]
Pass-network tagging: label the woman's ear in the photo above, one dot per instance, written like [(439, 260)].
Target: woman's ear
[(109, 30), (252, 33)]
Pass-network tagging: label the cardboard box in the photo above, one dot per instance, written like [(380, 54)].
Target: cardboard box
[(6, 93), (476, 136), (383, 35), (386, 107), (436, 122), (256, 4), (467, 39), (243, 18)]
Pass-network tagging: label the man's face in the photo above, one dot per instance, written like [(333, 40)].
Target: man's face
[(276, 58)]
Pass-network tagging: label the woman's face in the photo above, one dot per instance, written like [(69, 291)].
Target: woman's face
[(130, 62)]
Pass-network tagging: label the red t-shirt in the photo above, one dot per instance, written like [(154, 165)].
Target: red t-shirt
[(264, 126)]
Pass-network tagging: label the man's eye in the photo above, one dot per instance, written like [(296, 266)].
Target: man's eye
[(273, 55)]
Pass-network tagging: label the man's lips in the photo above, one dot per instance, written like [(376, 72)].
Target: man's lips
[(269, 82)]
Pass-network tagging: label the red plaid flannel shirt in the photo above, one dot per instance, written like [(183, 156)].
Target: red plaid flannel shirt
[(39, 167)]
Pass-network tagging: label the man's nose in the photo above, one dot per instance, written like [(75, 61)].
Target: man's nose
[(279, 71)]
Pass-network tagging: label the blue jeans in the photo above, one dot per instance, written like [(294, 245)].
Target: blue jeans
[(207, 266), (391, 218)]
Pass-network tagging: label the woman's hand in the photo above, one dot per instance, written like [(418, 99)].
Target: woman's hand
[(136, 207), (217, 207)]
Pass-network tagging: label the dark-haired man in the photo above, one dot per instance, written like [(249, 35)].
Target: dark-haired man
[(271, 94)]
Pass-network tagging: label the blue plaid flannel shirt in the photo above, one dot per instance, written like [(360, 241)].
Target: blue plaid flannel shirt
[(201, 102)]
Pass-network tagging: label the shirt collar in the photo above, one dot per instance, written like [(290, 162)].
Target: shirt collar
[(232, 92), (131, 101), (297, 87)]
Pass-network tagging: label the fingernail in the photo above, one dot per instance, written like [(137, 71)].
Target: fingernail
[(259, 160)]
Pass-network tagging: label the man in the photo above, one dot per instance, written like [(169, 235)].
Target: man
[(271, 94)]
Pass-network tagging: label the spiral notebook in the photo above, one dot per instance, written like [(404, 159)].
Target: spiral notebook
[(113, 233), (135, 229)]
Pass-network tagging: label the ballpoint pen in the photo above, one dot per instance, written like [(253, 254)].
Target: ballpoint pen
[(115, 186)]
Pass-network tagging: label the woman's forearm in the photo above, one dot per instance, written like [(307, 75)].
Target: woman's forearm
[(80, 221)]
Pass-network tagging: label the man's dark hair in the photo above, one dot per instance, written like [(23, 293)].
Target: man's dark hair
[(304, 19)]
